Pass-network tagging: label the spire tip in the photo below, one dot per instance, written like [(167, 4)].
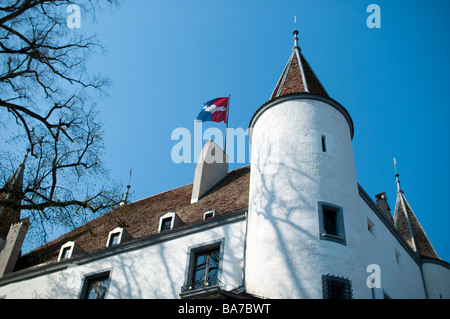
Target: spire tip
[(397, 180)]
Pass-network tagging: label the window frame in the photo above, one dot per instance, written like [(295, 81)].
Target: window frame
[(88, 279), (339, 237), (371, 227), (193, 252), (197, 268), (208, 212), (117, 231), (398, 257), (170, 215), (323, 141), (67, 247)]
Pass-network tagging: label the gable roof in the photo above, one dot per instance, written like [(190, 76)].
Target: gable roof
[(140, 219)]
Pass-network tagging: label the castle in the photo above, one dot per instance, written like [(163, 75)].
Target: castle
[(294, 224)]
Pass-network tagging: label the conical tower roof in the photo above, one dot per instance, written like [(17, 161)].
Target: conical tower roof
[(409, 227), (11, 192), (299, 81), (297, 76)]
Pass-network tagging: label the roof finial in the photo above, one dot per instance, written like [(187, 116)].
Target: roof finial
[(295, 33), (397, 176)]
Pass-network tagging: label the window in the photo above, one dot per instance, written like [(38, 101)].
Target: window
[(96, 286), (66, 251), (206, 268), (331, 223), (167, 222), (370, 227), (209, 214), (115, 237), (397, 256), (324, 144), (203, 272), (334, 287)]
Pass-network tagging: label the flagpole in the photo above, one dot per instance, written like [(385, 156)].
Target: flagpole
[(226, 127)]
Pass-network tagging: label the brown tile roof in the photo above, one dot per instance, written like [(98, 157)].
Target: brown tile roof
[(299, 80), (298, 77), (410, 229), (141, 218)]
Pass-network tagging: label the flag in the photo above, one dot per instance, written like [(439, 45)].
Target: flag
[(215, 110)]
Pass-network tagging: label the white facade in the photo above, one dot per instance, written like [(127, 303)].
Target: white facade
[(400, 270), (152, 269)]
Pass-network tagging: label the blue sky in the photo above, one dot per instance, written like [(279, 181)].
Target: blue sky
[(166, 58)]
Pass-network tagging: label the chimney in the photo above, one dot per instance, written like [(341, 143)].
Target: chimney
[(212, 167), (11, 252), (383, 205)]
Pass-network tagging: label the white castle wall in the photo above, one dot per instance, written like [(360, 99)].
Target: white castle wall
[(437, 280), (290, 175), (154, 271), (400, 274)]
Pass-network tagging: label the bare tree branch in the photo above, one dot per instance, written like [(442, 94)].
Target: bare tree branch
[(45, 89)]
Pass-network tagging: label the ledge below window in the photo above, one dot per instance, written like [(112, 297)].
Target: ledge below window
[(334, 238), (201, 290)]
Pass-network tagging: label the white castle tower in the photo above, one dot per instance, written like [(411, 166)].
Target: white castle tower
[(305, 232)]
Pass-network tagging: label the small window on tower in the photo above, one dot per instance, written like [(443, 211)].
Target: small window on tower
[(397, 256), (370, 226), (331, 221), (324, 144)]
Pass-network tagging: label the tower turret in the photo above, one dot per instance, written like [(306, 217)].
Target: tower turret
[(409, 227), (304, 227), (11, 193)]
